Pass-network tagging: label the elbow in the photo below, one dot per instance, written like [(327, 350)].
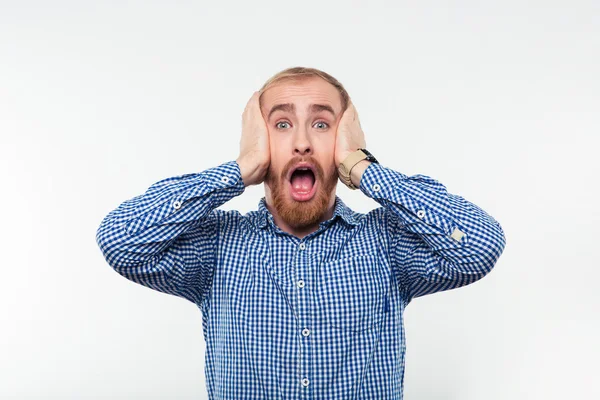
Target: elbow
[(493, 247), (102, 239), (109, 240), (106, 246), (499, 242)]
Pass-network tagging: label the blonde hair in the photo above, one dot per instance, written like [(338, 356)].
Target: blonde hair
[(296, 74)]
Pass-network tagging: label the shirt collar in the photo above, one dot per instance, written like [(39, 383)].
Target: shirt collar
[(340, 210)]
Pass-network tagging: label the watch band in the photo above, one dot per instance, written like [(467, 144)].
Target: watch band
[(345, 167), (370, 157)]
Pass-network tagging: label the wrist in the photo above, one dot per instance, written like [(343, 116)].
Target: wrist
[(251, 171), (245, 172), (357, 172)]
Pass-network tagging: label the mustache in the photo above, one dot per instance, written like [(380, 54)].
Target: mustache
[(318, 170)]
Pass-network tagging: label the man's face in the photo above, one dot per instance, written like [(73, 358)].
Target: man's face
[(302, 119)]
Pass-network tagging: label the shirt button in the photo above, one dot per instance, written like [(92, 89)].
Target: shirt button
[(305, 382), (420, 214), (225, 179), (177, 204), (302, 246), (300, 283), (376, 187), (305, 332), (457, 234)]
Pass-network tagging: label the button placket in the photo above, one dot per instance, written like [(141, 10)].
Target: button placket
[(302, 260)]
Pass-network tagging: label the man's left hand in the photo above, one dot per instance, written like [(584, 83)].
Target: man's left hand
[(350, 136)]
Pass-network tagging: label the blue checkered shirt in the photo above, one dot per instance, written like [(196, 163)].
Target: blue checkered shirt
[(314, 318)]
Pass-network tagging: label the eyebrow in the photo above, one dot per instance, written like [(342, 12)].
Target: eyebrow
[(291, 108)]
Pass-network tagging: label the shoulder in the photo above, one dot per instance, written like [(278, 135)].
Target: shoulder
[(376, 217), (234, 220), (379, 222)]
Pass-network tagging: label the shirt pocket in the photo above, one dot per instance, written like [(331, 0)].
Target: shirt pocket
[(353, 293)]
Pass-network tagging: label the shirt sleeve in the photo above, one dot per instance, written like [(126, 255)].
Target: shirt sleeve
[(165, 238), (438, 240)]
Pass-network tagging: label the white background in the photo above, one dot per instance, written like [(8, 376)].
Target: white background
[(497, 100)]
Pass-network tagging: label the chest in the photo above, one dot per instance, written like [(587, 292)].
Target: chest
[(340, 282)]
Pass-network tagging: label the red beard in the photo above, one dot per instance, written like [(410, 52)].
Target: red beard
[(301, 214)]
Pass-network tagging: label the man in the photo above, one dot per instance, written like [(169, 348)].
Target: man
[(302, 298)]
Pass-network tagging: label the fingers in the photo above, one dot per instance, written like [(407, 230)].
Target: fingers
[(254, 155), (256, 105), (254, 100), (252, 105), (350, 112), (354, 112)]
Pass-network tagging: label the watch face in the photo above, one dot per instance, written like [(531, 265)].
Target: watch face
[(343, 170)]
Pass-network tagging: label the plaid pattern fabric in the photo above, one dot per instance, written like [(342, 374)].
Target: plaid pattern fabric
[(314, 318)]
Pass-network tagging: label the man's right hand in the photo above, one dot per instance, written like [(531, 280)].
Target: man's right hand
[(255, 157)]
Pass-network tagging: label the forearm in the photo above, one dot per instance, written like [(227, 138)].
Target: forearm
[(357, 171), (252, 172), (449, 225), (143, 226)]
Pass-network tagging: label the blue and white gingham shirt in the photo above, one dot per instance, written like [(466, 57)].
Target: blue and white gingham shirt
[(314, 318)]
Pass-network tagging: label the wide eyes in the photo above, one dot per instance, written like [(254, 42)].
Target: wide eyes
[(278, 125), (318, 125)]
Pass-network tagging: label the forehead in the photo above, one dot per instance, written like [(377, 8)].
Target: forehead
[(302, 93)]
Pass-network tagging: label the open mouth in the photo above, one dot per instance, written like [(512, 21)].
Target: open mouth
[(303, 182)]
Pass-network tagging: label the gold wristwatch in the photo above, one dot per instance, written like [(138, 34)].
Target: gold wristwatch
[(345, 168)]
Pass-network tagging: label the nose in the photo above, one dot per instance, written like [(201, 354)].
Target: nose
[(302, 144)]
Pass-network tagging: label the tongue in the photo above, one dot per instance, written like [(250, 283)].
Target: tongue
[(302, 181)]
